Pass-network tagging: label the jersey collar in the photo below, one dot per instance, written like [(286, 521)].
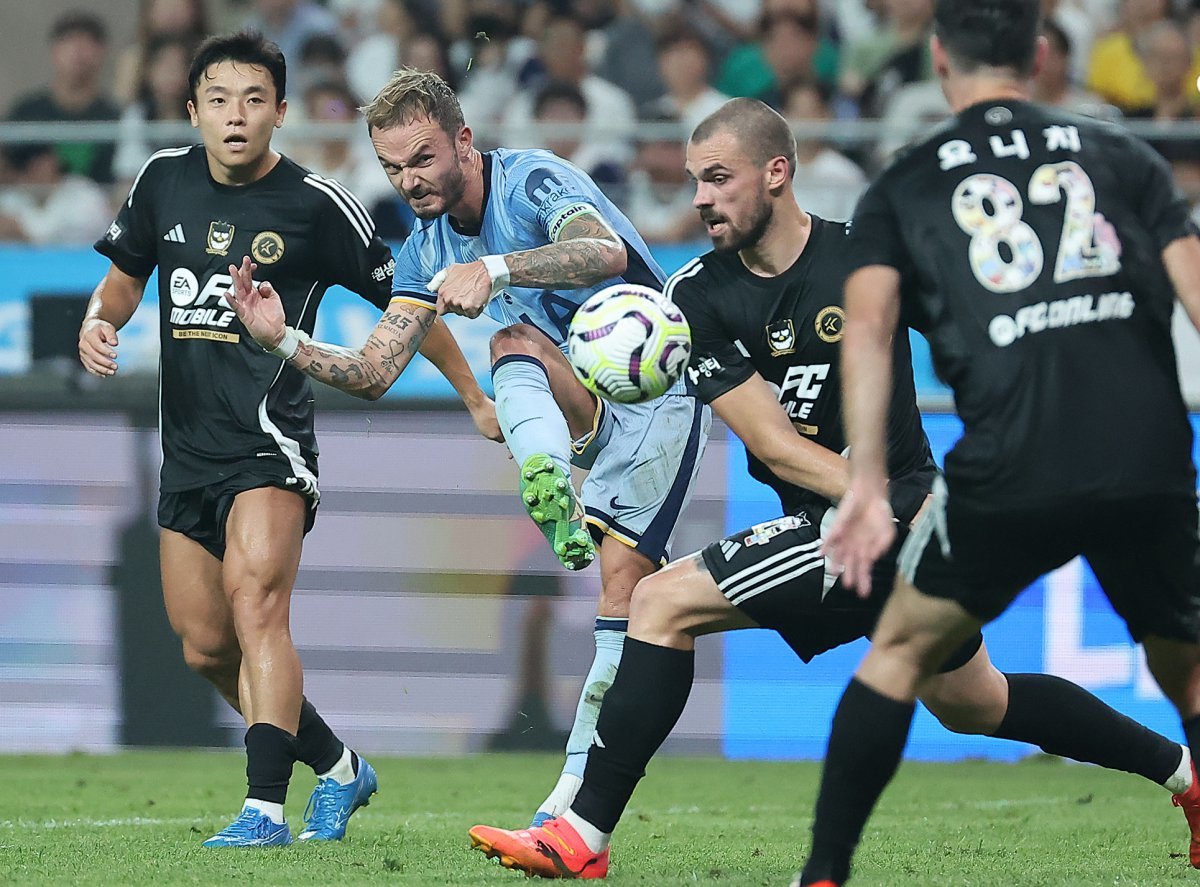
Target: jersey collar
[(487, 193)]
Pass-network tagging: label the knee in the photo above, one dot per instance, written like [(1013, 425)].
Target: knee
[(655, 609), (975, 709), (214, 660), (520, 338), (259, 604)]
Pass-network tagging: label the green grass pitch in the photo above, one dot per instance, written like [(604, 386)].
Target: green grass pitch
[(139, 818)]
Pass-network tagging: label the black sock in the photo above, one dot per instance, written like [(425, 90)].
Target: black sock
[(1191, 732), (865, 746), (317, 745), (1064, 719), (270, 754), (640, 709)]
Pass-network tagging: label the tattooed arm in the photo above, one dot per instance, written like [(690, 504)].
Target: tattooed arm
[(585, 252), (366, 372), (369, 371)]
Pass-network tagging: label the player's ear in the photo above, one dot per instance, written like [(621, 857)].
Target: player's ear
[(1041, 50), (464, 143), (777, 174), (280, 111), (191, 107), (937, 52)]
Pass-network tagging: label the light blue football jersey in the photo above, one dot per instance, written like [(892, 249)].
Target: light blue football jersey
[(529, 196)]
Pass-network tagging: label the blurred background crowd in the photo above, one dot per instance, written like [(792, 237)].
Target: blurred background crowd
[(612, 85)]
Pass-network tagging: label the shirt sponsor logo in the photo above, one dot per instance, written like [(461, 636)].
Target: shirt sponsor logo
[(266, 248), (114, 232), (829, 324), (798, 394), (706, 367), (183, 287), (1059, 314), (781, 337), (220, 238), (193, 306)]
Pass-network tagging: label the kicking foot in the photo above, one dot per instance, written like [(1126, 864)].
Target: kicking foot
[(549, 497), (1190, 802)]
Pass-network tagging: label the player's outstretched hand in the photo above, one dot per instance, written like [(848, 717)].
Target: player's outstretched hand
[(862, 531), (462, 289), (98, 347), (257, 305), (483, 414)]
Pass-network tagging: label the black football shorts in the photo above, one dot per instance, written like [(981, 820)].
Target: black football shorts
[(201, 513), (1144, 551), (775, 573)]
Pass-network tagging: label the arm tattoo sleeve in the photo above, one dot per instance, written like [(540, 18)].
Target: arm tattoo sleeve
[(369, 371), (587, 252)]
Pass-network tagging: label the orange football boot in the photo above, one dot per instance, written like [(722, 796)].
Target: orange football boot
[(1190, 802), (553, 850)]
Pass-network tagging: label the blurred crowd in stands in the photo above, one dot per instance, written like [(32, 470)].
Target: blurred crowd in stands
[(523, 68)]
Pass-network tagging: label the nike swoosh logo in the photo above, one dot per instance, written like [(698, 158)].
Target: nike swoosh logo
[(617, 506)]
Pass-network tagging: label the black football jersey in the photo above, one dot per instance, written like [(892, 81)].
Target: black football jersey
[(788, 329), (225, 404), (1029, 244)]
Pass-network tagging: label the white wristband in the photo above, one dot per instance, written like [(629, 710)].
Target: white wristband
[(497, 269), (290, 343)]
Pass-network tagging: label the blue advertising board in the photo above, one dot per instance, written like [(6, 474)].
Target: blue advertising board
[(778, 707)]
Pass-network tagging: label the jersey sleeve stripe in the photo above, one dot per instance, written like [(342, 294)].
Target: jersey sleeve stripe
[(414, 299), (157, 155), (352, 203), (691, 269), (341, 204)]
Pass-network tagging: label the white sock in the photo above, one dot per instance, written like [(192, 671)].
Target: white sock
[(529, 416), (610, 641), (343, 771), (564, 793), (269, 809), (1181, 780), (596, 840)]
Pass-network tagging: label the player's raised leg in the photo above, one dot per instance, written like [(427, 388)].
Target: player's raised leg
[(542, 408)]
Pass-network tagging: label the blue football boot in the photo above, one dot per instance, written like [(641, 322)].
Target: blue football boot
[(331, 804), (252, 829)]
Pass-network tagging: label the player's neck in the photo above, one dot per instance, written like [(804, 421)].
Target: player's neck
[(963, 92), (781, 244), (242, 175), (468, 212)]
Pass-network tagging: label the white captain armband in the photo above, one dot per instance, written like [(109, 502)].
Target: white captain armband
[(290, 343)]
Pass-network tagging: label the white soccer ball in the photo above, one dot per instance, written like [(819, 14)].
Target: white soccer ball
[(629, 343)]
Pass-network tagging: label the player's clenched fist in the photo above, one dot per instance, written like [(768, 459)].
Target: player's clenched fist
[(98, 347), (257, 305), (462, 289)]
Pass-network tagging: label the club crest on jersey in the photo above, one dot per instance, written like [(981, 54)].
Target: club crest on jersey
[(266, 248), (829, 323), (220, 238), (781, 337)]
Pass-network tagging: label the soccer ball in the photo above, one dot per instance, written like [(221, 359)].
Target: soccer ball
[(628, 343)]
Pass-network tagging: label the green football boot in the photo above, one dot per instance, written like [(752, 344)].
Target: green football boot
[(549, 497)]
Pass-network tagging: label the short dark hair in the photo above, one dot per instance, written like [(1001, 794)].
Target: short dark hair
[(989, 33), (79, 22), (558, 91), (246, 47), (759, 129)]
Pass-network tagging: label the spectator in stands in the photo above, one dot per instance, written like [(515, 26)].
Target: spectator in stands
[(684, 61), (658, 199), (1053, 83), (158, 20), (322, 60), (427, 51), (863, 56), (78, 46), (1116, 72), (562, 53), (289, 23), (162, 94), (1168, 66), (621, 42), (826, 182), (909, 61), (560, 104), (1080, 22), (47, 206), (786, 29), (489, 63), (373, 60)]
